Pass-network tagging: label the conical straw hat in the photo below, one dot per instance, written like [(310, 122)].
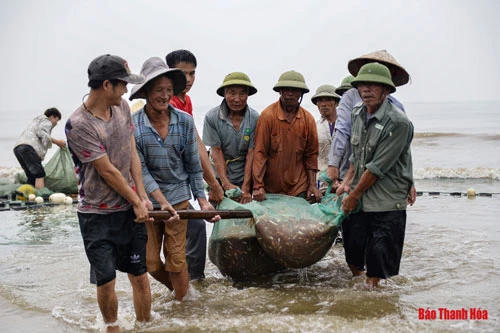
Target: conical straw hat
[(399, 75)]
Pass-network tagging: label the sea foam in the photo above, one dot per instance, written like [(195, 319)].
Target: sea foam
[(456, 173)]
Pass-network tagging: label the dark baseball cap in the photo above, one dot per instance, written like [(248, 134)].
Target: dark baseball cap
[(109, 67)]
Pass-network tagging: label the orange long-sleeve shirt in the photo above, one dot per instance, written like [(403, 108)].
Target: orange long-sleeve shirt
[(284, 151)]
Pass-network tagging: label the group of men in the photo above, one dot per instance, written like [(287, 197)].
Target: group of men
[(155, 159)]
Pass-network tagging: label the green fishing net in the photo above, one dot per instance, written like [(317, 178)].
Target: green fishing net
[(7, 189), (233, 193), (59, 173)]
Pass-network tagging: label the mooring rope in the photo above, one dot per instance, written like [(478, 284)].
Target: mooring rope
[(458, 194)]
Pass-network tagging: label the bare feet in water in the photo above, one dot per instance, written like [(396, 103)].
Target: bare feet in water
[(372, 282)]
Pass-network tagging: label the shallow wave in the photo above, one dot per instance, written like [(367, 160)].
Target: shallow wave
[(485, 136), (456, 173)]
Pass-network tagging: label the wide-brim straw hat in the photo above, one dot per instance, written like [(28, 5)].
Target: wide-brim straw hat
[(236, 79), (154, 67), (399, 75), (325, 90)]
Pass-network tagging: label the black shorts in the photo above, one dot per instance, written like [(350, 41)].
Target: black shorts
[(30, 162), (113, 242), (375, 239)]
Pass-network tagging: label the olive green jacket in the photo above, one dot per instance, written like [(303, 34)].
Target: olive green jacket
[(382, 145)]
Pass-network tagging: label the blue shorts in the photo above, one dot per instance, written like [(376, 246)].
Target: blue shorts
[(113, 242)]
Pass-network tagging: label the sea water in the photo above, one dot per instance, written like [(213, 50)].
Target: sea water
[(450, 262)]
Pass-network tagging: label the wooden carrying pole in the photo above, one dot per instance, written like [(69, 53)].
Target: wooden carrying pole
[(202, 214)]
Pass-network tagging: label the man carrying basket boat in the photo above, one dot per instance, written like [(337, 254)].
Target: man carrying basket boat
[(380, 176)]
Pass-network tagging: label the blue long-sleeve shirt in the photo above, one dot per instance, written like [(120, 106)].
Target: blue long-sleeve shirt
[(340, 144), (171, 165)]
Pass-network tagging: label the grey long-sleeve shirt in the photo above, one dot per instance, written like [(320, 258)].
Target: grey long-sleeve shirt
[(37, 135)]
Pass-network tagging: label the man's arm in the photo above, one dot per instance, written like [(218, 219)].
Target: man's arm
[(136, 172), (350, 203), (261, 149), (220, 167), (310, 158), (342, 133), (412, 196), (313, 193), (345, 186), (246, 187), (165, 205), (61, 143), (209, 177), (43, 132), (113, 177), (216, 193)]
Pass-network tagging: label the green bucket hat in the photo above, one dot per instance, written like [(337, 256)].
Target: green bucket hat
[(345, 85), (325, 90), (236, 79), (376, 73), (291, 79)]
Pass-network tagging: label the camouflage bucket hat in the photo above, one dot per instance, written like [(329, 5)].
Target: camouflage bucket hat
[(374, 73), (345, 85), (399, 75), (325, 90), (291, 79), (236, 79)]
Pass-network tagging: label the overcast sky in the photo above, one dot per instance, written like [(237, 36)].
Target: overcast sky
[(450, 48)]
